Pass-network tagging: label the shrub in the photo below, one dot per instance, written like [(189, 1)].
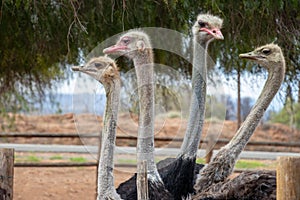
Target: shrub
[(289, 115)]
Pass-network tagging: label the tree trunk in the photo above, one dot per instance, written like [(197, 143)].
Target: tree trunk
[(289, 96), (6, 173), (299, 91), (239, 120), (288, 178)]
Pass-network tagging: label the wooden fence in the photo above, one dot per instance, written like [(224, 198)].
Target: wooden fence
[(159, 139), (95, 135)]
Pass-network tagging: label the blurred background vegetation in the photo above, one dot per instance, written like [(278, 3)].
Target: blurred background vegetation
[(40, 39)]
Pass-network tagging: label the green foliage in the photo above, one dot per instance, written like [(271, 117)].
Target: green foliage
[(27, 158), (214, 108), (78, 159), (33, 158), (173, 114), (56, 157), (127, 161), (200, 161), (289, 115), (30, 52), (250, 164), (38, 38), (247, 164)]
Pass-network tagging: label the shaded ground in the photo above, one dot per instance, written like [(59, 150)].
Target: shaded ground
[(79, 182)]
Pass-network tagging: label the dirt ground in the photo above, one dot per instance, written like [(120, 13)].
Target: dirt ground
[(77, 183), (127, 126), (80, 182)]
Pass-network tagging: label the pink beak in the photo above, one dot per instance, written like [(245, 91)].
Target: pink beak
[(114, 49), (215, 32)]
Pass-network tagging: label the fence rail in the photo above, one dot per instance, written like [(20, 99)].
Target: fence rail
[(93, 164), (130, 150), (159, 139)]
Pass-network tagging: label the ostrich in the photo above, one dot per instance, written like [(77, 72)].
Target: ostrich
[(179, 175), (136, 46), (105, 71), (271, 58), (248, 185)]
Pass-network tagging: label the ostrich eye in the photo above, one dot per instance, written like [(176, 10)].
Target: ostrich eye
[(266, 51), (201, 24), (125, 40), (98, 65)]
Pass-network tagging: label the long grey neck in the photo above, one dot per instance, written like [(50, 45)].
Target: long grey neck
[(193, 133), (143, 63), (224, 161), (271, 87), (106, 166)]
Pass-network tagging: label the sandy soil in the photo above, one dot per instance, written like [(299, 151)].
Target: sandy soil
[(59, 183)]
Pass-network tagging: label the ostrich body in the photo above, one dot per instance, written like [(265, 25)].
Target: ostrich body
[(271, 58), (179, 175), (105, 71), (136, 46), (249, 185)]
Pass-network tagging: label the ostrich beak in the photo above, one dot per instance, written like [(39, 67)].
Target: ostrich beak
[(215, 32), (114, 49), (76, 68), (95, 73), (249, 55)]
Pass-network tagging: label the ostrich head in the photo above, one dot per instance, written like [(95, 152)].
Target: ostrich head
[(101, 68), (130, 44), (208, 27), (268, 56)]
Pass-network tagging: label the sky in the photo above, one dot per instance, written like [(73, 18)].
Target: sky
[(251, 86)]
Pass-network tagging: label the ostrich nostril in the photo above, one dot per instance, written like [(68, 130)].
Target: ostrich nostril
[(214, 31)]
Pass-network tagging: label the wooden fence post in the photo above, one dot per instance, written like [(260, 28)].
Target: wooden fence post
[(6, 174), (288, 178), (142, 181)]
